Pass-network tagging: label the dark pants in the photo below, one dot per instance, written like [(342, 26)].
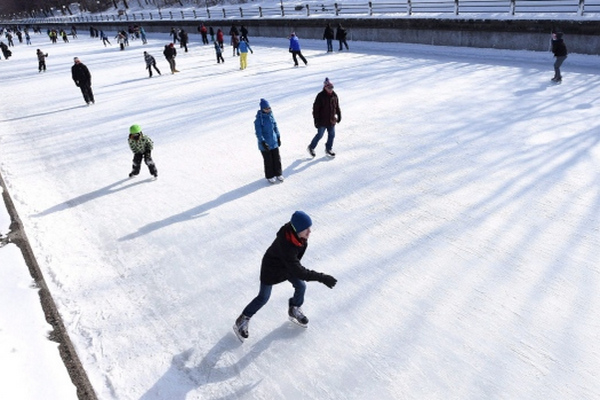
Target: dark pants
[(343, 43), (42, 66), (220, 58), (137, 162), (150, 69), (272, 162), (299, 54), (265, 293), (86, 90), (557, 64)]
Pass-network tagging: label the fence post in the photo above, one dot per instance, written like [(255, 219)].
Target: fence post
[(195, 16), (208, 12), (337, 10), (282, 12), (160, 15), (580, 9), (513, 6), (260, 11), (150, 16), (307, 10), (241, 13), (371, 8), (171, 14), (224, 15), (455, 7), (409, 7)]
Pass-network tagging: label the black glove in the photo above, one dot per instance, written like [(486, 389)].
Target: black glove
[(265, 146), (328, 280), (316, 125), (339, 118), (279, 141), (77, 83)]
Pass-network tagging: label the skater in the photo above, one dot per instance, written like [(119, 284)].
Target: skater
[(295, 49), (41, 60), (340, 35), (220, 38), (326, 112), (143, 35), (235, 42), (211, 32), (83, 80), (104, 38), (174, 34), (141, 146), (329, 35), (150, 62), (244, 47), (244, 33), (269, 141), (219, 52), (170, 53), (281, 262), (5, 50), (183, 40), (204, 33), (121, 40), (560, 53)]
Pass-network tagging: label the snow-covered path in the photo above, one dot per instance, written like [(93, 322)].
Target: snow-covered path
[(461, 218)]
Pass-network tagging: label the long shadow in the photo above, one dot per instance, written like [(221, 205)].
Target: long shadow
[(197, 211), (179, 380), (84, 198), (43, 113)]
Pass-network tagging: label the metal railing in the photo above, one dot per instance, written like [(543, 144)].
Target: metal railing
[(406, 7)]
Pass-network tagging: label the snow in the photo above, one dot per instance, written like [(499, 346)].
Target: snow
[(461, 218)]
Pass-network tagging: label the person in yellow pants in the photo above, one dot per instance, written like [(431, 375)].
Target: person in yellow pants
[(243, 47)]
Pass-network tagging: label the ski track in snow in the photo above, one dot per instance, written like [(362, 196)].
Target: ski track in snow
[(460, 218)]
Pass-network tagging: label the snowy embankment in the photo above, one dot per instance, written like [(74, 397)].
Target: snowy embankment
[(460, 218)]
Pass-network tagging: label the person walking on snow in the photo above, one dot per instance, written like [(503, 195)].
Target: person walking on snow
[(326, 113), (41, 60), (141, 146), (83, 80), (295, 49), (280, 263), (244, 47), (329, 35), (269, 141), (560, 53), (150, 62), (340, 35)]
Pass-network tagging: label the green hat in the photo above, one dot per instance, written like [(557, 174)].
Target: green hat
[(134, 129)]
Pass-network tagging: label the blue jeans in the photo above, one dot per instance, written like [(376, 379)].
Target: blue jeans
[(557, 64), (319, 135), (265, 293)]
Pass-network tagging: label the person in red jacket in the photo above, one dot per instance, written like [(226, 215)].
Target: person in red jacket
[(281, 263)]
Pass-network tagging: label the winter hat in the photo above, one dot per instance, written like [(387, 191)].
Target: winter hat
[(135, 129), (264, 104), (300, 221), (327, 84), (75, 58)]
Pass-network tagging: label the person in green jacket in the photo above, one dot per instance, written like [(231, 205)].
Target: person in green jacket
[(141, 146)]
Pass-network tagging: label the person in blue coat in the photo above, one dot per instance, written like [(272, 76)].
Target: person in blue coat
[(295, 49), (269, 141)]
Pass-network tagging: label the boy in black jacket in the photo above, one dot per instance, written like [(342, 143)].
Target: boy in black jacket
[(560, 52), (281, 262)]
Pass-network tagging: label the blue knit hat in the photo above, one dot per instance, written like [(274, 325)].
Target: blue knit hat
[(264, 104), (300, 221)]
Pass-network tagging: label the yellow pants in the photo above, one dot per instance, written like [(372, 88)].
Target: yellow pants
[(243, 60)]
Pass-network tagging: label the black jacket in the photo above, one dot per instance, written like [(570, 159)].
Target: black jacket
[(559, 48), (282, 259), (81, 75), (169, 52), (326, 109)]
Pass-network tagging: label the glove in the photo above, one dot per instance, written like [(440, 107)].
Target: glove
[(290, 49), (328, 280), (316, 125), (265, 146), (251, 52), (279, 141), (339, 118)]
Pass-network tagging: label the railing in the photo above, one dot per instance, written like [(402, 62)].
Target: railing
[(405, 7)]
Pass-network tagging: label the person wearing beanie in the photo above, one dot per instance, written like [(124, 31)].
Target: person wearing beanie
[(326, 113), (560, 53), (281, 262), (170, 52), (269, 141), (295, 49), (83, 80), (150, 62), (141, 146)]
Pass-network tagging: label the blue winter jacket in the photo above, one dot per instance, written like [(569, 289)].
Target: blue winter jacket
[(243, 47), (266, 130), (294, 43)]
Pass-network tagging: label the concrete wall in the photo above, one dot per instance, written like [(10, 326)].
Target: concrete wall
[(581, 36)]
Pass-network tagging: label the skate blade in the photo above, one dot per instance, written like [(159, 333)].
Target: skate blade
[(295, 321), (237, 333)]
